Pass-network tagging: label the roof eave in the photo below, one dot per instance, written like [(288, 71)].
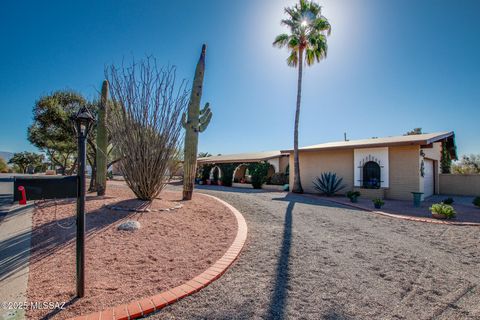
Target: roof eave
[(381, 144)]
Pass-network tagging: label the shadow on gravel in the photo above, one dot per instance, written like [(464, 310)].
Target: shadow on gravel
[(311, 199), (279, 296), (231, 189)]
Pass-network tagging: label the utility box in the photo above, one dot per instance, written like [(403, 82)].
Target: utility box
[(46, 187)]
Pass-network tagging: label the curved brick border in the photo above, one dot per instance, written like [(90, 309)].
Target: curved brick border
[(404, 217), (142, 307)]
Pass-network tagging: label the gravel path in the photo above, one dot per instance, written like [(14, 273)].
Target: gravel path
[(308, 259)]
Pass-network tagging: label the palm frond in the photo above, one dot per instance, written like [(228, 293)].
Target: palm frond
[(281, 40), (322, 24), (293, 42), (310, 37), (310, 56), (292, 59)]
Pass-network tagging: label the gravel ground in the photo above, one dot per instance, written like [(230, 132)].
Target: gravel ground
[(308, 259)]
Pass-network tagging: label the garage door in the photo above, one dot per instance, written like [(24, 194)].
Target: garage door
[(429, 181)]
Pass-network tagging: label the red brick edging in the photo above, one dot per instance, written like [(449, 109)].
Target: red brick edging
[(145, 306), (404, 217)]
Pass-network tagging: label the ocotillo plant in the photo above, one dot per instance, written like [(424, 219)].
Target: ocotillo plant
[(102, 141), (194, 121)]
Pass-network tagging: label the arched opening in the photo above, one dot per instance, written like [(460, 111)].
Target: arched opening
[(271, 171), (215, 175), (241, 174), (371, 175)]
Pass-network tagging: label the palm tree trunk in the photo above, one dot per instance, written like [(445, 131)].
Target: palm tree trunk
[(297, 185)]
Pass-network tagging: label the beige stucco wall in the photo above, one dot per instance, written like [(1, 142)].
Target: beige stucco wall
[(313, 163), (460, 184), (435, 152), (404, 168), (283, 164), (404, 165)]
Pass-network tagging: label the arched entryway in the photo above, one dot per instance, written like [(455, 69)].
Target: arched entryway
[(241, 174), (371, 175)]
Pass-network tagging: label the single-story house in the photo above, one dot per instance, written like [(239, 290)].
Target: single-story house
[(390, 167), (277, 160)]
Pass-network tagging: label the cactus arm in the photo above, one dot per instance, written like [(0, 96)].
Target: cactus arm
[(206, 108), (204, 114), (204, 124)]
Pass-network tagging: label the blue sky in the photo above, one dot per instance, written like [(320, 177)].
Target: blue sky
[(391, 66)]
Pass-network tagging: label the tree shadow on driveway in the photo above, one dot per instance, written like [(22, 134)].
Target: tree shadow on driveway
[(278, 300)]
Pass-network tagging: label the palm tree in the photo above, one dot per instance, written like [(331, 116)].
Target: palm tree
[(204, 155), (308, 37)]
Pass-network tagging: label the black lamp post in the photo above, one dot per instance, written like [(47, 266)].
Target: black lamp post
[(83, 123)]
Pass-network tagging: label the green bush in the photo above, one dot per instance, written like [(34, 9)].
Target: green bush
[(444, 209), (353, 195), (448, 201), (227, 173), (279, 179), (328, 183), (258, 171), (204, 172), (378, 203), (476, 201)]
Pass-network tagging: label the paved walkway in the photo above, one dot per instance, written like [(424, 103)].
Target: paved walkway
[(15, 236), (310, 259)]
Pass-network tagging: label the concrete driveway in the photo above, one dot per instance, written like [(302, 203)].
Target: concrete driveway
[(308, 259)]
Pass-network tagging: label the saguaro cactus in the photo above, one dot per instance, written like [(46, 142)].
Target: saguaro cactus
[(194, 121), (102, 141)]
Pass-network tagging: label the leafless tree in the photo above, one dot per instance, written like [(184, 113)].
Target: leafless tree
[(145, 124)]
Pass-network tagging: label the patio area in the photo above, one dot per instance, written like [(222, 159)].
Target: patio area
[(466, 211)]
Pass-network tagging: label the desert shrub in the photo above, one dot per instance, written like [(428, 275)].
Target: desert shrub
[(476, 201), (444, 209), (145, 123), (258, 172), (378, 202), (448, 201), (353, 195), (279, 179), (227, 173), (3, 166), (328, 183)]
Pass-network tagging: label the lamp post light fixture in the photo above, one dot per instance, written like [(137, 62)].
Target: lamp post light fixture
[(83, 121)]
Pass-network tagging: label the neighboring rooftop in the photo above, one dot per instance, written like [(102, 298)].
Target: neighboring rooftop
[(417, 139), (242, 157)]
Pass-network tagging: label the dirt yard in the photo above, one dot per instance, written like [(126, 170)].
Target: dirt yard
[(170, 248)]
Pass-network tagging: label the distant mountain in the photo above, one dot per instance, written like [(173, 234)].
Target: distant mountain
[(6, 155)]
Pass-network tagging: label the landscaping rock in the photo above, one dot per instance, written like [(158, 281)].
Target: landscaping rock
[(129, 225)]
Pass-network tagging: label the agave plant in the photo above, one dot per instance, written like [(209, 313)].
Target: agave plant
[(328, 183)]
